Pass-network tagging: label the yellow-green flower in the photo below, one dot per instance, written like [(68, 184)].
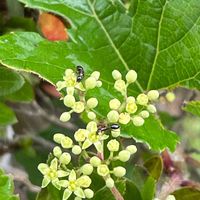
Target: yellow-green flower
[(51, 173), (93, 137), (75, 185)]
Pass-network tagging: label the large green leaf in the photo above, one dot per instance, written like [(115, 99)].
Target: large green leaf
[(160, 40), (187, 193), (154, 166), (193, 107), (10, 81), (104, 36), (7, 116), (49, 193), (7, 187), (24, 94), (153, 133)]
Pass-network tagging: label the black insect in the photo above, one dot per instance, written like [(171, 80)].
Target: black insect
[(80, 73), (103, 128)]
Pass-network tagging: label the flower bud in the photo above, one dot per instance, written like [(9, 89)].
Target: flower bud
[(124, 155), (70, 91), (99, 84), (65, 158), (68, 72), (76, 150), (138, 121), (92, 126), (116, 74), (151, 108), (58, 137), (171, 197), (110, 182), (60, 85), (124, 118), (103, 170), (131, 107), (77, 198), (69, 100), (113, 116), (87, 169), (90, 83), (131, 76), (120, 85), (65, 117), (153, 95), (89, 193), (170, 96), (92, 103), (113, 145), (114, 104), (80, 135), (130, 99), (144, 114), (84, 181), (57, 151), (132, 149), (91, 115), (95, 161), (66, 142), (95, 75), (115, 133), (119, 171), (78, 107), (142, 99)]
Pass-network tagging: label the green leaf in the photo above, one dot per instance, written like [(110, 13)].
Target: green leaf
[(187, 193), (10, 81), (24, 94), (193, 107), (7, 116), (148, 190), (49, 193), (143, 39), (154, 166), (132, 191), (7, 187), (153, 133)]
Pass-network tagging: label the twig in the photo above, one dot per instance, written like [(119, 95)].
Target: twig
[(116, 193)]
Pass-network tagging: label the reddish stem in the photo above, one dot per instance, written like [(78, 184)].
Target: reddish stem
[(116, 194)]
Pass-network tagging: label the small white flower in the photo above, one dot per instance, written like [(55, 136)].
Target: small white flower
[(153, 95), (131, 76), (103, 170), (124, 155), (138, 121), (66, 116), (113, 116), (51, 173), (75, 185), (119, 171), (114, 104), (116, 74), (142, 99)]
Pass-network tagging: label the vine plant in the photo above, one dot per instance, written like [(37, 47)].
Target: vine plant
[(137, 43), (103, 133)]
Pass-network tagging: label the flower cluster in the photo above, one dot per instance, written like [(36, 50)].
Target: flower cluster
[(100, 135), (131, 109), (75, 88), (78, 181)]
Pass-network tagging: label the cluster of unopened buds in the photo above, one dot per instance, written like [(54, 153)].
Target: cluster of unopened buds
[(77, 180), (132, 109)]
